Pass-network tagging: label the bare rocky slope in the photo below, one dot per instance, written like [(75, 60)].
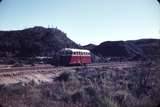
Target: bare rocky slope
[(89, 46), (136, 49), (37, 41), (33, 41)]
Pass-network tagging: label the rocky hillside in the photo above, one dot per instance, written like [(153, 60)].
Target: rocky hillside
[(150, 47), (89, 46), (40, 41), (37, 41), (137, 49)]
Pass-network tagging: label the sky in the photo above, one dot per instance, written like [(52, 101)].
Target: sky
[(85, 21)]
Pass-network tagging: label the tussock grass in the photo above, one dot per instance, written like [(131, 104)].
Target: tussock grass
[(88, 87)]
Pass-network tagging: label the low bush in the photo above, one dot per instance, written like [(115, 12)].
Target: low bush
[(89, 87)]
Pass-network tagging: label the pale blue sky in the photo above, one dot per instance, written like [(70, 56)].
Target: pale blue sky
[(85, 21)]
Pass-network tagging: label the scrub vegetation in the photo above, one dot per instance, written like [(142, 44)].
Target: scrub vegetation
[(90, 87)]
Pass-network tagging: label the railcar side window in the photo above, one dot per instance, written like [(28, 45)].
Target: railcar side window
[(68, 53), (64, 53), (81, 53)]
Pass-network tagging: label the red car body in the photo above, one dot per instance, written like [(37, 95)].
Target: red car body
[(70, 56)]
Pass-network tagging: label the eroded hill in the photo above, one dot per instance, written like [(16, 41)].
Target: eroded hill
[(31, 42), (135, 49), (35, 41)]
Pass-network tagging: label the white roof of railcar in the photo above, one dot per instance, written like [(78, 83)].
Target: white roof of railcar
[(75, 50)]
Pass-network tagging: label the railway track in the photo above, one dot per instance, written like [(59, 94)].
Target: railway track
[(17, 71)]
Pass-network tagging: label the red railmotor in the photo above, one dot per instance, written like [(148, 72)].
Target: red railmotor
[(69, 56)]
